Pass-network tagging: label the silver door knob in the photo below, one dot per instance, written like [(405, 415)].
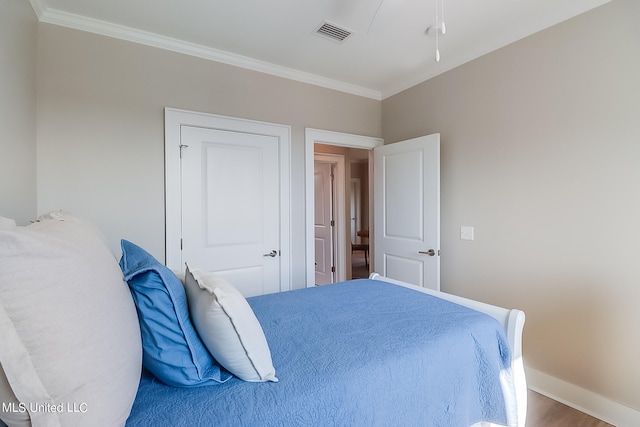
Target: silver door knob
[(430, 252), (272, 254)]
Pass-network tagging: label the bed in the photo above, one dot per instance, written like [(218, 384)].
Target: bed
[(364, 352)]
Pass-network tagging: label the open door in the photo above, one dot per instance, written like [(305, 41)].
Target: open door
[(324, 223), (407, 211)]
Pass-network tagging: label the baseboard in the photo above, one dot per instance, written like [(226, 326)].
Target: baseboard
[(581, 399)]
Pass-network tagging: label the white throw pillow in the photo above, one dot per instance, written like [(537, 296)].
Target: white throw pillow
[(7, 223), (13, 414), (228, 327), (70, 339)]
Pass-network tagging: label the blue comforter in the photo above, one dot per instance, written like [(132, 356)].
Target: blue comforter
[(358, 353)]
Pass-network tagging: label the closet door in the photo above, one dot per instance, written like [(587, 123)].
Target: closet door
[(230, 207), (232, 198)]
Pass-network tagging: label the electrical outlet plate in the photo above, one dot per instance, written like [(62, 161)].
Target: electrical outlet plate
[(466, 233)]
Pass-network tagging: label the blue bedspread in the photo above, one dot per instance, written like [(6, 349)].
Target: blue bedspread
[(358, 353)]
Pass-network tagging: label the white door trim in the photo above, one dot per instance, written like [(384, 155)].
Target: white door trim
[(313, 136), (174, 119)]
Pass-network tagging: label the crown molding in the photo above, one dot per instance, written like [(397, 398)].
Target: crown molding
[(564, 10), (38, 7), (83, 23)]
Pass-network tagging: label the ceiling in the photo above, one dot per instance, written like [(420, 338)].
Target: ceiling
[(387, 52)]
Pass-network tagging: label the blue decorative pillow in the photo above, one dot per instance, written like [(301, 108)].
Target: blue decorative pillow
[(172, 349)]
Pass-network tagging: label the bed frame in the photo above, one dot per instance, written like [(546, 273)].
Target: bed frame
[(512, 320)]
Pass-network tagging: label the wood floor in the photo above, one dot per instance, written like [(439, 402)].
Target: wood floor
[(545, 412), (359, 269)]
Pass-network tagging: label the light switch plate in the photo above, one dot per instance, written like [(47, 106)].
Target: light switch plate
[(466, 233)]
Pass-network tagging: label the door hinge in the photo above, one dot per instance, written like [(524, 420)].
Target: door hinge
[(333, 223), (333, 269), (181, 147), (180, 244)]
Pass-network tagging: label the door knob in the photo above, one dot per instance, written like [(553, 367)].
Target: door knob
[(272, 254), (430, 252)]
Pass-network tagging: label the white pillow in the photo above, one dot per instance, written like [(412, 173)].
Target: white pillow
[(12, 413), (7, 224), (71, 352), (228, 327)]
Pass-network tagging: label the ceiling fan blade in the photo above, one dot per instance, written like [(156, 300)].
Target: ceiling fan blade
[(384, 14)]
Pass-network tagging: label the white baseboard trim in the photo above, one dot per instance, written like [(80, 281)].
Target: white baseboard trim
[(581, 399)]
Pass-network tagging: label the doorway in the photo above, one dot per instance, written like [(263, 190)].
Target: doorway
[(336, 142), (359, 213), (340, 180)]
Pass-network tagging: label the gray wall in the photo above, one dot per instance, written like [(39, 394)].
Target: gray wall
[(18, 31), (541, 154), (101, 130)]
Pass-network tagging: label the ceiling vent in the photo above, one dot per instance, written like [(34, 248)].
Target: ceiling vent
[(333, 32)]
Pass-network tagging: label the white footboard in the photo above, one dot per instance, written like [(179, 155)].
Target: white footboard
[(512, 321)]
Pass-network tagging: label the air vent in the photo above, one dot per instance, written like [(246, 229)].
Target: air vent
[(332, 31)]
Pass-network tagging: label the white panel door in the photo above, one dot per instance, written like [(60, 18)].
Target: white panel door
[(323, 223), (407, 210), (230, 206)]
